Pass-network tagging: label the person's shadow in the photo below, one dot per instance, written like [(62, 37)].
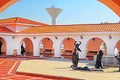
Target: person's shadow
[(62, 68)]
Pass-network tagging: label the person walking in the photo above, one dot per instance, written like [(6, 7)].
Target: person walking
[(0, 47)]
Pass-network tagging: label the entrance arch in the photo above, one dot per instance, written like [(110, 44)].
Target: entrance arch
[(28, 45), (93, 46), (3, 47), (47, 47), (67, 47)]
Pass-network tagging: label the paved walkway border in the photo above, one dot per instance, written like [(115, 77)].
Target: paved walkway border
[(48, 76)]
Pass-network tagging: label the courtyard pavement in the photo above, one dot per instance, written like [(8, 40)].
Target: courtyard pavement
[(61, 68), (8, 67)]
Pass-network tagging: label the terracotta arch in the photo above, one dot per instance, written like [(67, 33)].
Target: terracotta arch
[(118, 47), (47, 47), (67, 47), (93, 46), (28, 45), (113, 5), (4, 4)]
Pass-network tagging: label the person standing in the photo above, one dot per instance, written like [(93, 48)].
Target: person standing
[(22, 49), (0, 47), (75, 59), (99, 64), (75, 56)]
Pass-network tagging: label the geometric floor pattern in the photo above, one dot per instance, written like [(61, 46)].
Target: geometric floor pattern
[(8, 69)]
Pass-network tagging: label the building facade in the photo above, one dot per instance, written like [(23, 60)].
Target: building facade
[(40, 39)]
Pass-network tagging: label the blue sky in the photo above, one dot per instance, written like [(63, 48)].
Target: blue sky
[(74, 11)]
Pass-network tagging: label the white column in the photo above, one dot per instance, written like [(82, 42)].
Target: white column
[(57, 50), (109, 59), (82, 55), (36, 49), (110, 48), (10, 45)]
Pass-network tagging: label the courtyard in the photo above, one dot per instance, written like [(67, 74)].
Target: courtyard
[(36, 68), (61, 68)]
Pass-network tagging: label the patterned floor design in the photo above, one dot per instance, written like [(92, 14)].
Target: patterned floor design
[(8, 69)]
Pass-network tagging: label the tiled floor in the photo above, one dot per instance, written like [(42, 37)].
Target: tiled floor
[(61, 68), (8, 69)]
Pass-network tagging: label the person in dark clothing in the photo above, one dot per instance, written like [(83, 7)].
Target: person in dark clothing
[(75, 59), (0, 47), (22, 49), (99, 64), (118, 58), (77, 45), (75, 56)]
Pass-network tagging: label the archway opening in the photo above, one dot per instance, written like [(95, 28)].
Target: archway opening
[(67, 47), (3, 46), (117, 48), (28, 46), (47, 47), (93, 46)]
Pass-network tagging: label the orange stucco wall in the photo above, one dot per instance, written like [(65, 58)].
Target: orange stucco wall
[(3, 46), (68, 44), (47, 43), (28, 46), (94, 44)]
